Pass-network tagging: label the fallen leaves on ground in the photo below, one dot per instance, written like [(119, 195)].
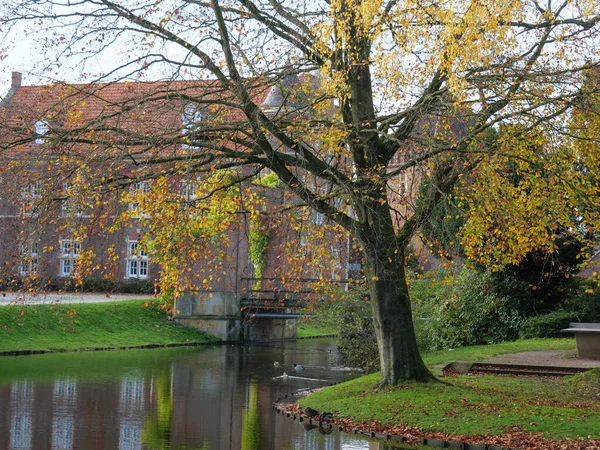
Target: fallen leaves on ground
[(514, 437)]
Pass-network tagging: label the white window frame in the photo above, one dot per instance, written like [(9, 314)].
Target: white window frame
[(67, 206), (70, 251), (188, 189), (30, 195), (318, 218), (136, 189), (141, 187), (28, 264), (137, 261)]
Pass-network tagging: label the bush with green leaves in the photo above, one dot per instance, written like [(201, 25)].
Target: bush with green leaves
[(549, 325), (470, 307), (66, 284), (581, 303), (584, 300), (350, 312)]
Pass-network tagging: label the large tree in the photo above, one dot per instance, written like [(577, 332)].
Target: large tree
[(380, 97)]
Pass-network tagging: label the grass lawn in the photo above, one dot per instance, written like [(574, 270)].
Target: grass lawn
[(479, 352), (308, 328), (88, 326), (524, 409)]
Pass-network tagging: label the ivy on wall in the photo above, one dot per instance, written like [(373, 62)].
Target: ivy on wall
[(258, 240)]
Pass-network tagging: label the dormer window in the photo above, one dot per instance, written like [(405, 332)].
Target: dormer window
[(41, 130), (192, 119)]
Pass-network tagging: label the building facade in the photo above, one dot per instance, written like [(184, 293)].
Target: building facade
[(50, 231)]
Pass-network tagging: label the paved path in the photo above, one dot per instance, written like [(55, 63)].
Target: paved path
[(554, 358), (11, 298)]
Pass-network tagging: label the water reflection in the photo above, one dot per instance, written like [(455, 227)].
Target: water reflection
[(191, 398), (64, 399), (251, 419), (131, 412), (156, 433), (21, 402)]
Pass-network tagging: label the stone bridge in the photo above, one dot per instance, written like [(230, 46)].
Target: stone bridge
[(265, 310)]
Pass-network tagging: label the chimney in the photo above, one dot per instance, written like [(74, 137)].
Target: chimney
[(16, 80)]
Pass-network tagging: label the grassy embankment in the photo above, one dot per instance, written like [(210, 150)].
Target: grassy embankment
[(64, 327), (308, 329), (524, 409)]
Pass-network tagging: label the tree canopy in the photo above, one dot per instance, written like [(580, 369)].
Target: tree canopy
[(383, 107)]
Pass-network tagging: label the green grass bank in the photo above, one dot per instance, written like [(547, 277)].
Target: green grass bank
[(308, 329), (517, 412), (68, 327)]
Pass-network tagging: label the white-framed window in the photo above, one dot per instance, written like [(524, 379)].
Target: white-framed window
[(70, 250), (28, 264), (68, 208), (336, 262), (41, 129), (33, 189), (141, 187), (318, 218), (30, 196), (192, 117), (137, 261), (188, 189), (138, 189)]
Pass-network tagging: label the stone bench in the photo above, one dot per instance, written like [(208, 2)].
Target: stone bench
[(587, 336)]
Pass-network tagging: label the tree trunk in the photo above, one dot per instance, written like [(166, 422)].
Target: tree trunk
[(392, 317)]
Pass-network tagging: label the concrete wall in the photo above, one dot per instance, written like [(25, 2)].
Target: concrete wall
[(217, 313), (269, 329)]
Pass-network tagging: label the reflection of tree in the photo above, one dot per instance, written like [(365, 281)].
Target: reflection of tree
[(251, 420), (156, 434)]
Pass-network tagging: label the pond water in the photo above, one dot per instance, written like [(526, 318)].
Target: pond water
[(208, 398)]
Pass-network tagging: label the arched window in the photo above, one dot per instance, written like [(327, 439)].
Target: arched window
[(41, 129)]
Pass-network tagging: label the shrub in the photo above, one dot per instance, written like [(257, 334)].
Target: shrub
[(584, 300), (469, 308), (61, 284), (548, 325), (134, 286), (351, 313)]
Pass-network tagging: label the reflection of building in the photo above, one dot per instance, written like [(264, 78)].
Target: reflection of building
[(69, 415), (216, 398), (64, 400), (131, 412), (21, 404)]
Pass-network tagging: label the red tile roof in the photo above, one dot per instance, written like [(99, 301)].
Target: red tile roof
[(143, 109)]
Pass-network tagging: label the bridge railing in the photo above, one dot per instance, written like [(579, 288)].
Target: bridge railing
[(278, 293)]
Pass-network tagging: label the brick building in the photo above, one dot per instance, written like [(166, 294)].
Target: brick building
[(45, 228)]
